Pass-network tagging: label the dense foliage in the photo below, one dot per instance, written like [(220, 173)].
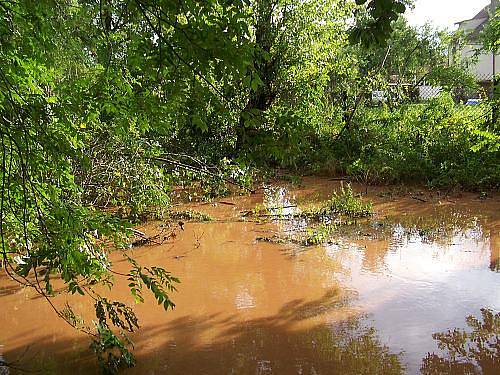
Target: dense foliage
[(438, 143), (105, 104), (88, 88)]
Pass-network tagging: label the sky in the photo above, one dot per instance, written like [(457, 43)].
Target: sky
[(444, 13)]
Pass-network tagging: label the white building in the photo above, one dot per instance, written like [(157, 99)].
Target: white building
[(486, 64)]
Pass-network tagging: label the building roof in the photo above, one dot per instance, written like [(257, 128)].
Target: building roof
[(484, 13), (475, 34), (483, 16)]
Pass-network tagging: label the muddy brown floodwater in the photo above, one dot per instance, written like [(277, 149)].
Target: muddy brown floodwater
[(367, 302)]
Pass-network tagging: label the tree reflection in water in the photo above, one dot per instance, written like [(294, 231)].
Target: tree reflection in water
[(273, 345), (467, 352)]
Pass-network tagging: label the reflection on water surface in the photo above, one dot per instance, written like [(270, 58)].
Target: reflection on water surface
[(366, 302), (472, 351)]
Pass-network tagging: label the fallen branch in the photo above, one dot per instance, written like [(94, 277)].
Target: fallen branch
[(419, 199), (251, 212), (202, 170), (340, 178), (227, 203), (143, 239)]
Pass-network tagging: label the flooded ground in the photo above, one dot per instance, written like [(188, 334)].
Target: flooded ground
[(367, 301)]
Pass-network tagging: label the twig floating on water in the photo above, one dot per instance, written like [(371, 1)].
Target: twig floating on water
[(419, 199)]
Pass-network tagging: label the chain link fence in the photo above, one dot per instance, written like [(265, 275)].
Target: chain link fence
[(477, 102)]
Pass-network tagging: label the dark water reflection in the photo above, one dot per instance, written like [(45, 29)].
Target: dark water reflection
[(270, 345), (367, 303), (474, 350)]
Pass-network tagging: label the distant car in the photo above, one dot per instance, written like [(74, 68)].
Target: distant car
[(473, 102)]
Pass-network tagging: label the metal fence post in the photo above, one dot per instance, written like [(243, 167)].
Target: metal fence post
[(495, 79)]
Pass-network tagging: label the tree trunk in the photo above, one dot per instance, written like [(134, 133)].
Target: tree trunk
[(261, 97)]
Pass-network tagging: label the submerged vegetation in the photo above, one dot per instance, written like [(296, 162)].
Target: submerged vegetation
[(345, 218), (316, 225), (189, 215), (106, 107), (341, 204)]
